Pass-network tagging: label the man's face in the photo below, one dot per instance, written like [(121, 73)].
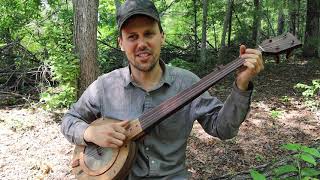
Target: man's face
[(141, 40)]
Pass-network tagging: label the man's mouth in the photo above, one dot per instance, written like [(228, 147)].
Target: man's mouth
[(143, 55)]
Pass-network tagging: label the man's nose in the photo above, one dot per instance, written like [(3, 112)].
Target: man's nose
[(142, 43)]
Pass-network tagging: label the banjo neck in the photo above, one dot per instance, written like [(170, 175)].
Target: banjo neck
[(156, 115), (149, 119)]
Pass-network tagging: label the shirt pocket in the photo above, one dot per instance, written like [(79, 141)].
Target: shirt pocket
[(174, 127)]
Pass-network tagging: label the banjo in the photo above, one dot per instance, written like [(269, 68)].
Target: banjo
[(94, 162)]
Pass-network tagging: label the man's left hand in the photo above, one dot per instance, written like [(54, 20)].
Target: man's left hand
[(251, 67)]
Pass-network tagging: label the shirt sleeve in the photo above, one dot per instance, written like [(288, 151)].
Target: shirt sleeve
[(219, 119), (81, 114)]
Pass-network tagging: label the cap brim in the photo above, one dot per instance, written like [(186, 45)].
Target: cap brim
[(137, 13)]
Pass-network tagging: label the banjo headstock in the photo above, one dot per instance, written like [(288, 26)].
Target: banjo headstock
[(280, 44)]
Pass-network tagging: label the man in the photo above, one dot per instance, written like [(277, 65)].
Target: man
[(128, 92)]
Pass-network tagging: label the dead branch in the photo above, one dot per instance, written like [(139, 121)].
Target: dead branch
[(163, 11), (29, 53), (105, 43), (18, 95), (9, 45)]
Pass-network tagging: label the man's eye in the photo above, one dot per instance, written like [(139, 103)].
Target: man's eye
[(133, 37), (148, 34)]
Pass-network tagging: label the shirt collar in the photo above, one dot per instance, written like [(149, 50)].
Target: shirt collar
[(165, 79)]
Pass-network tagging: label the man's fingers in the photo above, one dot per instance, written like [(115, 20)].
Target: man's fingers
[(252, 56), (253, 51), (253, 65), (119, 129), (119, 136), (249, 64), (110, 145), (124, 123), (113, 141), (256, 55), (242, 49)]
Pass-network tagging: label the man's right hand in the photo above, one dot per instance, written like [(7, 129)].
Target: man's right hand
[(106, 134)]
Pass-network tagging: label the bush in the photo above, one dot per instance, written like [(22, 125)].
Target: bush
[(303, 166), (310, 93), (182, 64), (64, 66)]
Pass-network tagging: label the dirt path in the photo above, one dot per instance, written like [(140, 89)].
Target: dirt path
[(32, 147)]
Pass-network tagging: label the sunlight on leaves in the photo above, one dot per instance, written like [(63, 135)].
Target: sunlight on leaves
[(256, 175)]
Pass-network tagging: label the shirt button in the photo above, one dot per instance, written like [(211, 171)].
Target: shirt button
[(152, 162), (147, 148)]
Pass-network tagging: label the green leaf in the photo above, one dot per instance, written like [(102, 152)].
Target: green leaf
[(256, 175), (309, 178), (311, 151), (307, 158), (310, 172), (285, 169), (292, 147)]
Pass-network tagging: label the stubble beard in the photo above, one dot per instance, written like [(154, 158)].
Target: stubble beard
[(142, 68)]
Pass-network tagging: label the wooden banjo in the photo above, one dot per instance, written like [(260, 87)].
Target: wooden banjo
[(94, 162)]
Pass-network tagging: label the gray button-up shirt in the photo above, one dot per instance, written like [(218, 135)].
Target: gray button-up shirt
[(161, 153)]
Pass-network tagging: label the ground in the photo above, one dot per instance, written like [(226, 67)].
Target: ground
[(32, 147)]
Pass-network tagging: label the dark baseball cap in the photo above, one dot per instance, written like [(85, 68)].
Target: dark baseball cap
[(135, 7)]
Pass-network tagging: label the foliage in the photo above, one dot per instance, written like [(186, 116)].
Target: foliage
[(57, 40), (256, 175), (15, 16), (309, 92), (58, 97), (284, 99), (259, 157), (303, 164), (275, 114), (182, 64), (45, 29)]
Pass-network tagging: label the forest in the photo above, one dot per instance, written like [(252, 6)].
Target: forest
[(51, 51)]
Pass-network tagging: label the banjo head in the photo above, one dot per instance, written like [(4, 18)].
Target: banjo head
[(96, 160), (97, 157)]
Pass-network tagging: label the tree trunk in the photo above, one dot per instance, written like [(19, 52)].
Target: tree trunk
[(230, 24), (225, 24), (312, 34), (298, 19), (256, 22), (292, 15), (204, 30), (85, 40), (214, 33), (195, 29), (280, 21)]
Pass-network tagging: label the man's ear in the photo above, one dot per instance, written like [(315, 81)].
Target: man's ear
[(120, 43)]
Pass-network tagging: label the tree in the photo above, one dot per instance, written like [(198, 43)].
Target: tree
[(293, 16), (280, 21), (256, 21), (312, 33), (85, 40), (195, 29), (227, 20), (204, 30)]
